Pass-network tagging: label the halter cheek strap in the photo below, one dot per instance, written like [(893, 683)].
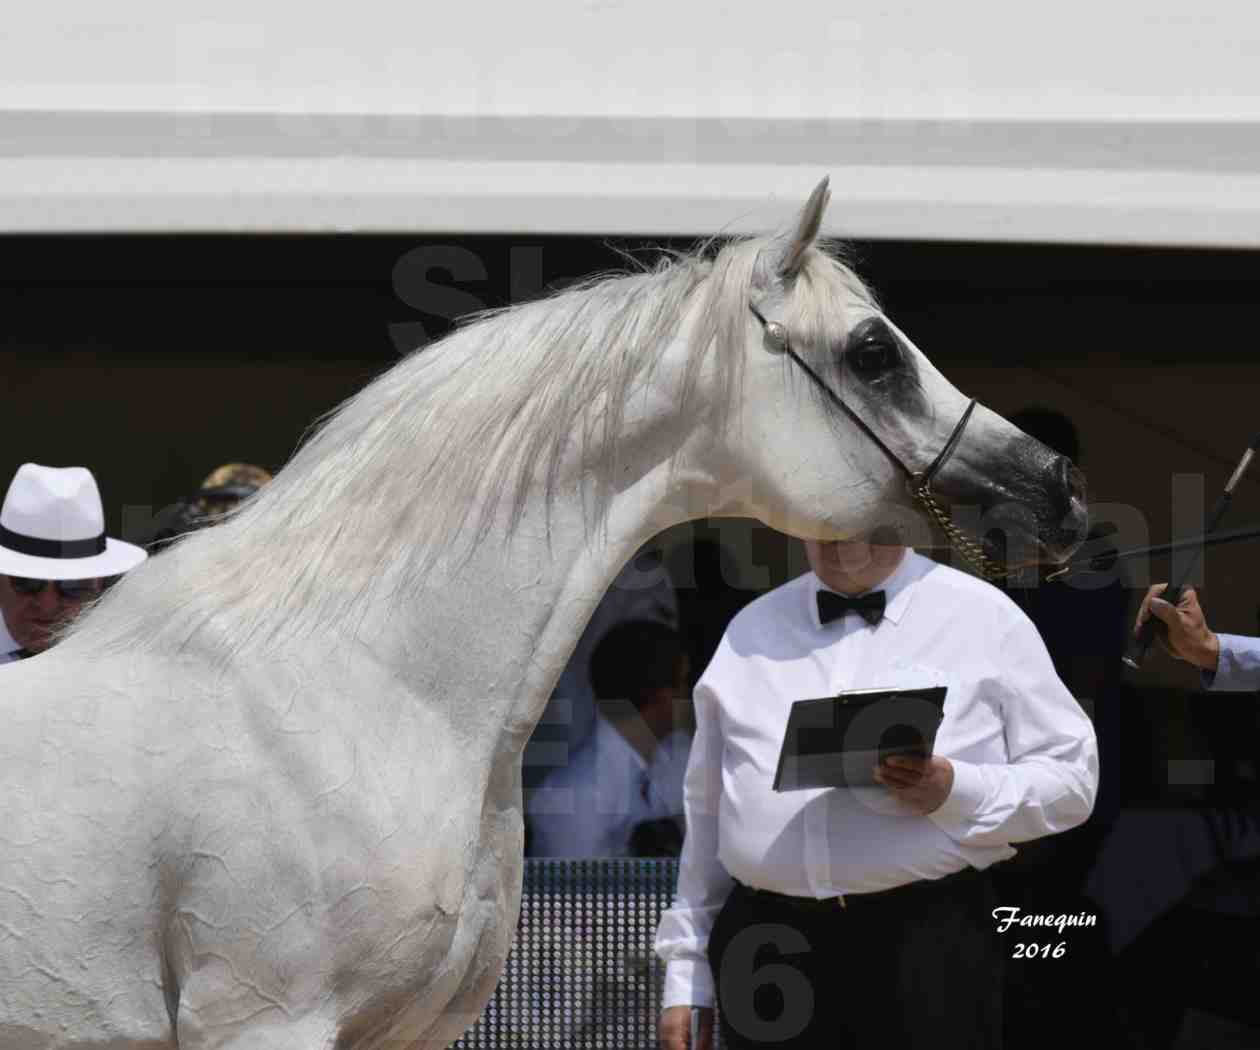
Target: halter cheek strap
[(926, 477), (918, 482)]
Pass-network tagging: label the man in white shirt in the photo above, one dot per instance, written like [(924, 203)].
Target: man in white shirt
[(621, 791), (861, 917)]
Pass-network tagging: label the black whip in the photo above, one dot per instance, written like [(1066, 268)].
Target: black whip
[(1105, 560)]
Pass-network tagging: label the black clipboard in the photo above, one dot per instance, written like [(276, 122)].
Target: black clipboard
[(837, 741)]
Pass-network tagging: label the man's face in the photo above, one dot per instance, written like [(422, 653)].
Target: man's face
[(852, 566), (31, 618)]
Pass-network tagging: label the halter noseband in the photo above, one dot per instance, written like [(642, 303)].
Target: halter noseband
[(918, 482)]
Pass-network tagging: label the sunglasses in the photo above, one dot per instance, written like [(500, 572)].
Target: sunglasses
[(70, 590)]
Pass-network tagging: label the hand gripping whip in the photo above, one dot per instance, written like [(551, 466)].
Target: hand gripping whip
[(1142, 644)]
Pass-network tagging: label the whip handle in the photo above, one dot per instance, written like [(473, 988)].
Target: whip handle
[(1142, 643)]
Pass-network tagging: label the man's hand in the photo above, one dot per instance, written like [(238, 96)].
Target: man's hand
[(1187, 637), (675, 1028), (922, 784)]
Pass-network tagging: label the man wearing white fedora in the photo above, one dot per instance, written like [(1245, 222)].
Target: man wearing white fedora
[(54, 554)]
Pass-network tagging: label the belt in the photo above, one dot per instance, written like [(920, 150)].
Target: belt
[(849, 901)]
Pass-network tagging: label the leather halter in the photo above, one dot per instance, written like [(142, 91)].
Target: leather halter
[(918, 482)]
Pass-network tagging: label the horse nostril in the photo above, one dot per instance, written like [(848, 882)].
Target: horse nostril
[(1073, 480), (1072, 493)]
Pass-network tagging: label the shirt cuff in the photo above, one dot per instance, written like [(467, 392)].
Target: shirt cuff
[(687, 983), (964, 800), (1232, 674)]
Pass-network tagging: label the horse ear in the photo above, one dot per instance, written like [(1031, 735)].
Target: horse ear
[(793, 244)]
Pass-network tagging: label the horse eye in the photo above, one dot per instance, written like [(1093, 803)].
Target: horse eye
[(871, 357)]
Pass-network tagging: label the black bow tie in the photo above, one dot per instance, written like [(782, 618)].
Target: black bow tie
[(832, 606)]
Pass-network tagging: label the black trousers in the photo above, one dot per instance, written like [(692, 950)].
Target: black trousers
[(916, 967)]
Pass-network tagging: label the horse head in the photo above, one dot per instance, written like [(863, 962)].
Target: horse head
[(879, 435)]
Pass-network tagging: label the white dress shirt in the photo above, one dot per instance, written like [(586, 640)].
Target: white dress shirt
[(1024, 754), (590, 807)]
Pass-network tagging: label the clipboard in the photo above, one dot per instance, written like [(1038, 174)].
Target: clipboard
[(837, 741)]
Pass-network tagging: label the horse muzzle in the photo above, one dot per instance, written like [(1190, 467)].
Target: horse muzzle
[(1043, 518)]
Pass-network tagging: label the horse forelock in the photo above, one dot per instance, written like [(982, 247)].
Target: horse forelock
[(822, 304), (424, 457)]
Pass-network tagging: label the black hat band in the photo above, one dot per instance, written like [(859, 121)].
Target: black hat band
[(41, 548)]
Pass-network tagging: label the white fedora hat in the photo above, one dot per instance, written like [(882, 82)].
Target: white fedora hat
[(52, 527)]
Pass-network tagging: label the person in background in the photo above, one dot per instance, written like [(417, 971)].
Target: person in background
[(223, 490), (1083, 620), (1084, 623), (642, 590), (54, 555), (620, 794)]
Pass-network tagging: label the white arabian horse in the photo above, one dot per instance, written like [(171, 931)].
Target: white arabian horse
[(266, 796)]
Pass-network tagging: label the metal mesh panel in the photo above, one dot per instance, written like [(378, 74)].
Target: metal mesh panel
[(582, 972)]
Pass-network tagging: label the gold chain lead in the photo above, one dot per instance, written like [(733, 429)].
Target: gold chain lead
[(968, 548)]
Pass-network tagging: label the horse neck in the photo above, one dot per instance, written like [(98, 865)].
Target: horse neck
[(496, 627), (353, 600)]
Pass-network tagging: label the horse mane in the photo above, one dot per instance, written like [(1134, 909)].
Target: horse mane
[(422, 459)]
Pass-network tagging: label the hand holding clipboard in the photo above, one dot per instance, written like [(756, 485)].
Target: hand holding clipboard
[(842, 740)]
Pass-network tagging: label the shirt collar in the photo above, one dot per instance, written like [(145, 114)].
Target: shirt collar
[(897, 590)]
